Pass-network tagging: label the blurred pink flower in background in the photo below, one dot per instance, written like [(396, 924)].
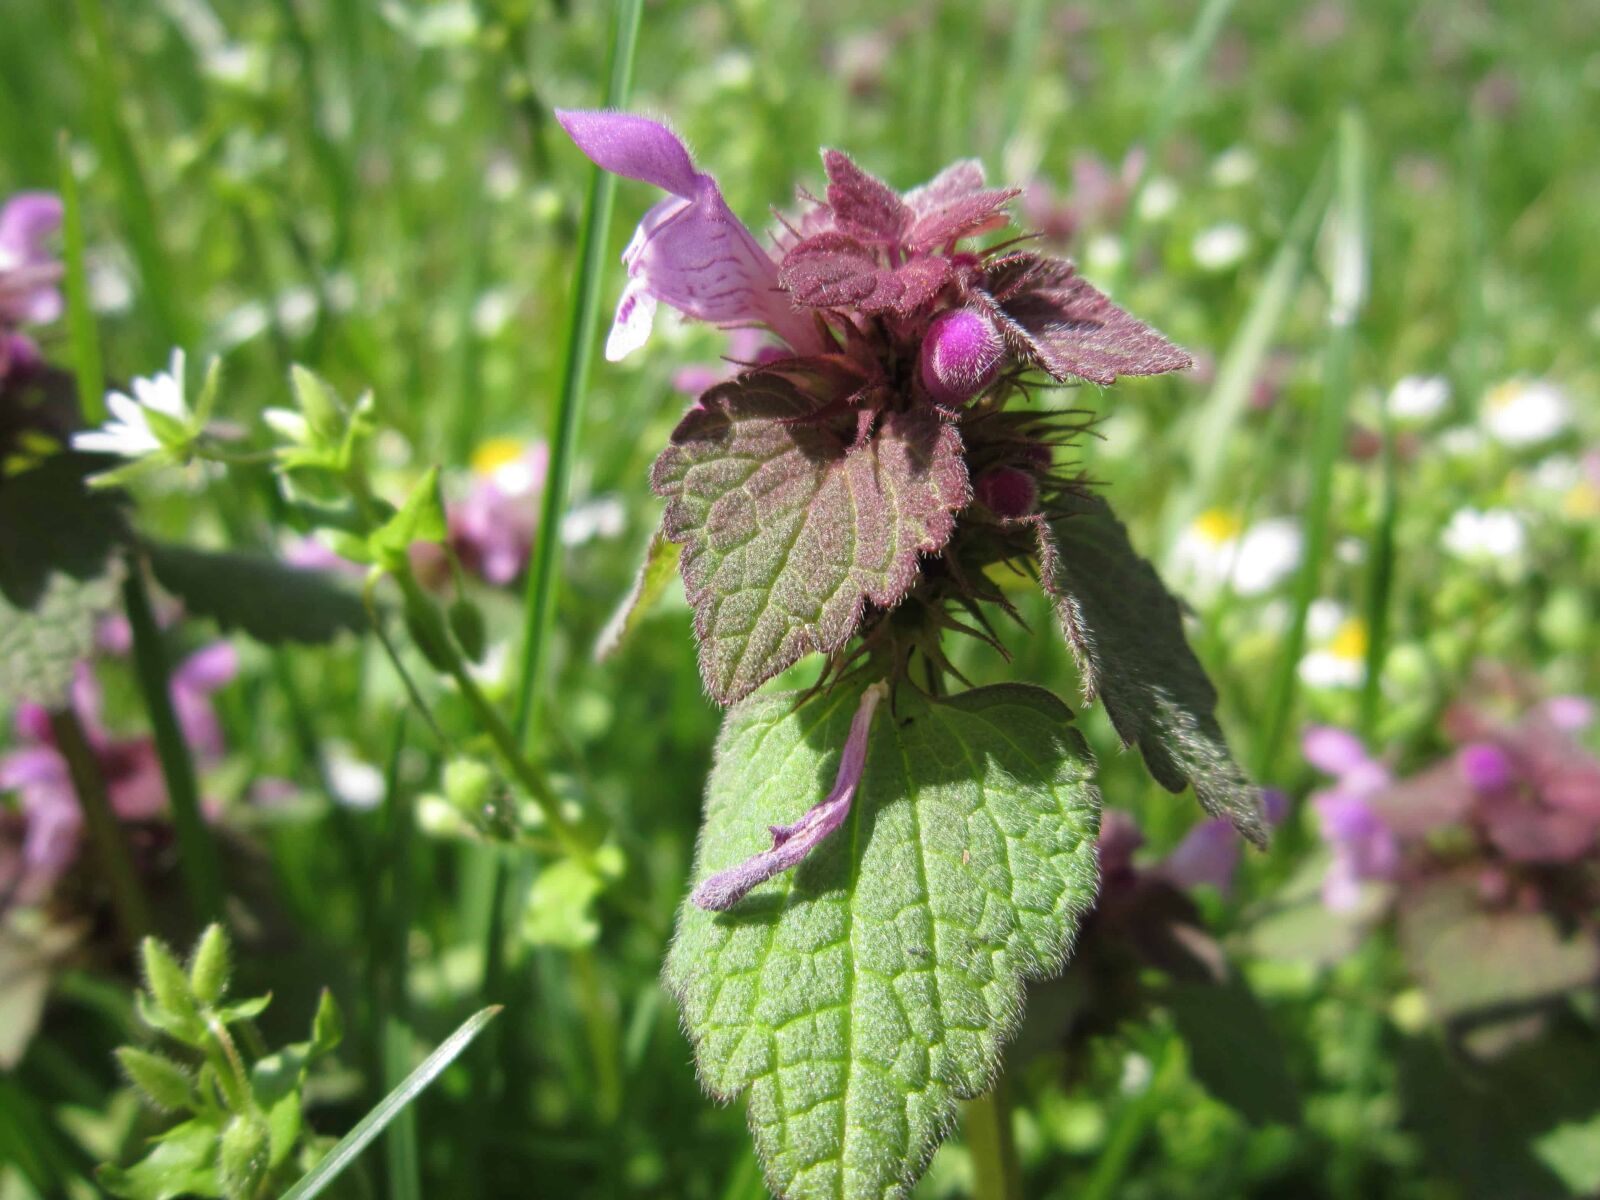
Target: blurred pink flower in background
[(50, 824), (1364, 848), (29, 275)]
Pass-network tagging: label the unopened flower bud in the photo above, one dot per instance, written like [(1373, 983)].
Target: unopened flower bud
[(1007, 492), (960, 355)]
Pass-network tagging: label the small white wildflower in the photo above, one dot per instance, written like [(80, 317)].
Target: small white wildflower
[(129, 433), (1159, 198), (1234, 167), (1221, 246), (1419, 397), (1324, 618), (354, 782), (602, 517), (1216, 547), (1525, 412), (1136, 1074), (297, 309), (1495, 533), (109, 288), (1340, 660), (492, 312)]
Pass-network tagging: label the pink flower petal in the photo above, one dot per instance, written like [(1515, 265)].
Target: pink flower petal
[(792, 843)]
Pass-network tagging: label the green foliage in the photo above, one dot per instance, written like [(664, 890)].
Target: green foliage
[(244, 1121), (860, 996), (60, 568), (656, 573), (1126, 631), (419, 519), (789, 530), (257, 595)]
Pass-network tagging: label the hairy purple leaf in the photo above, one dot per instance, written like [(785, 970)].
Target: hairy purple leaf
[(1126, 632), (863, 205), (834, 270), (1065, 325), (790, 529)]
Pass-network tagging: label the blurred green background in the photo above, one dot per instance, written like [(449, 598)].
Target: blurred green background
[(378, 191)]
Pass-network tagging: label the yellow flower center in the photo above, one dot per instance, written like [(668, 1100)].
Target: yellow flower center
[(495, 453), (1350, 641), (1503, 395), (1217, 526)]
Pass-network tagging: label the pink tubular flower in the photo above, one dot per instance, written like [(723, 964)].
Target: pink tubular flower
[(1364, 847), (493, 526), (792, 843), (689, 251)]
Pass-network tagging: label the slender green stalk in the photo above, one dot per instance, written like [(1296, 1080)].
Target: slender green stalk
[(1027, 27), (82, 338), (1380, 581), (600, 1022), (197, 852), (105, 832), (393, 1000), (574, 385), (986, 1122), (1347, 276), (1131, 1126)]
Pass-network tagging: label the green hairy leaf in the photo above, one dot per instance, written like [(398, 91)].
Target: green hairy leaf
[(790, 529), (858, 997), (60, 569), (260, 596), (649, 586), (1126, 632)]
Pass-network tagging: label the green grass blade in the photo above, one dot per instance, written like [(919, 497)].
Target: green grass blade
[(1212, 429), (370, 1126), (574, 382), (82, 337), (1347, 280)]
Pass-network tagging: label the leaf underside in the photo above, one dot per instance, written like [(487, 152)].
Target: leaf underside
[(660, 564), (60, 569), (1126, 632), (860, 996), (790, 529), (267, 599)]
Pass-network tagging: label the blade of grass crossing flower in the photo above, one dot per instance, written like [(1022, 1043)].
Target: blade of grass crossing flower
[(128, 900), (82, 338), (315, 1181), (1211, 430), (581, 333), (1346, 272), (1380, 580), (197, 852)]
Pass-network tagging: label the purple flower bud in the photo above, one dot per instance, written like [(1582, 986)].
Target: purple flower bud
[(1007, 492), (1485, 766), (960, 355)]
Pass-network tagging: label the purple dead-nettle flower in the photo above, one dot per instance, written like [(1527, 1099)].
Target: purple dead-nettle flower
[(689, 251), (791, 843), (1364, 847), (821, 487), (29, 275)]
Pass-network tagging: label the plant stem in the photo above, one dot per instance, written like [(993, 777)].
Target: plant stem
[(197, 851), (574, 385), (105, 832), (81, 335), (986, 1122)]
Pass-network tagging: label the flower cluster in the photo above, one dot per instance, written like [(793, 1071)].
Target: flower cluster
[(29, 276), (855, 481)]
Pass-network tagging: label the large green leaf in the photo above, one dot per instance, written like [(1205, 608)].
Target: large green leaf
[(267, 599), (860, 996), (1126, 632), (791, 525), (60, 567)]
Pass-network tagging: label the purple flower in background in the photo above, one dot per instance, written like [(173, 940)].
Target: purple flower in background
[(1208, 854), (792, 843), (52, 822), (689, 252), (492, 527), (29, 276), (747, 347), (1364, 847)]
